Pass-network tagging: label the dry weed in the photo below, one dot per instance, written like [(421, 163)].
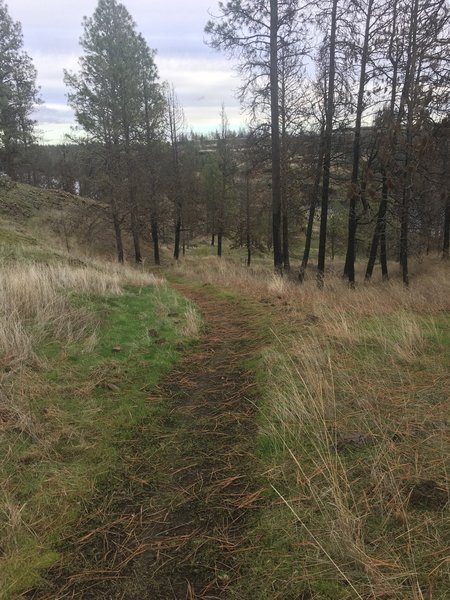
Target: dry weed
[(429, 291), (34, 306), (359, 457), (192, 322)]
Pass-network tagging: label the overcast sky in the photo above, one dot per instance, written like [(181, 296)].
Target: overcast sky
[(203, 78)]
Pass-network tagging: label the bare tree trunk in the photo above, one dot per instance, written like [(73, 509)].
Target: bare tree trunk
[(247, 219), (155, 239), (136, 240), (118, 234), (409, 100), (219, 242), (355, 194), (176, 249), (285, 223), (275, 136), (175, 118), (327, 149), (312, 210), (380, 227), (379, 236), (383, 253), (446, 198), (284, 171), (445, 245), (404, 223)]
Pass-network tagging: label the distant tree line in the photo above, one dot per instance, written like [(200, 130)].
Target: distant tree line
[(348, 141)]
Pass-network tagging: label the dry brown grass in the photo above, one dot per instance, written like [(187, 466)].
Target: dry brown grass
[(357, 405), (355, 480), (32, 303), (192, 322), (361, 409), (35, 306), (429, 291)]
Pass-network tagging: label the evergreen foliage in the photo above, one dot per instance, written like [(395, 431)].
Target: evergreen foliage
[(18, 93)]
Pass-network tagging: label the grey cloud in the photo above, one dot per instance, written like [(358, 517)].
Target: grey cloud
[(202, 78), (49, 114)]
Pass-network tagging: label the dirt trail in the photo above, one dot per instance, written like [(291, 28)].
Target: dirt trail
[(172, 531)]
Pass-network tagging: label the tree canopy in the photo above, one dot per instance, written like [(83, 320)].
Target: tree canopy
[(18, 92)]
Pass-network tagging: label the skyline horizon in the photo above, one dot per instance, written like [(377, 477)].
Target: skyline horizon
[(203, 79)]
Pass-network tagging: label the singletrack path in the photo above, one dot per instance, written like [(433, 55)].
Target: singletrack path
[(173, 529)]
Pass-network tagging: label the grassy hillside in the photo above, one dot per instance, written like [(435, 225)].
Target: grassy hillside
[(82, 343), (29, 215), (354, 436), (353, 409)]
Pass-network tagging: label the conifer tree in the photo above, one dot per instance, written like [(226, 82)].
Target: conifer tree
[(18, 93), (111, 98)]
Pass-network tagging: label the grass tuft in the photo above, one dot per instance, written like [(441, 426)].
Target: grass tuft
[(67, 400), (354, 435)]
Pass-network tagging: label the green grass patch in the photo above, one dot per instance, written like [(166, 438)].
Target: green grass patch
[(84, 407)]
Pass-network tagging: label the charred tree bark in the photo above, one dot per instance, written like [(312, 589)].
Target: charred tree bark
[(446, 242), (176, 248), (355, 193), (408, 99), (136, 239), (118, 235), (327, 148), (219, 243), (275, 139), (379, 235), (248, 237), (404, 227), (284, 168), (155, 239), (312, 210)]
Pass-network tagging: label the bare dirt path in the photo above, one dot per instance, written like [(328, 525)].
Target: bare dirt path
[(172, 530)]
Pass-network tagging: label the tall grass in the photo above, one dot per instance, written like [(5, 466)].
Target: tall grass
[(354, 433), (429, 291), (32, 304), (368, 455), (58, 429), (35, 306)]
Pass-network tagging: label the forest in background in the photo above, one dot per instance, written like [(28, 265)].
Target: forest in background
[(347, 147), (296, 436)]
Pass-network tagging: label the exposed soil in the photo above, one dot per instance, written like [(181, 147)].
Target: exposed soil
[(173, 528)]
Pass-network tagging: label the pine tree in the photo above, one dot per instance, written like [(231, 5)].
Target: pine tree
[(18, 93), (112, 95)]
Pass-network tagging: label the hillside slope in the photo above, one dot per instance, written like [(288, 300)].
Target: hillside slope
[(43, 217)]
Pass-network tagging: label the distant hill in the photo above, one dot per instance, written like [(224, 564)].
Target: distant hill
[(36, 216)]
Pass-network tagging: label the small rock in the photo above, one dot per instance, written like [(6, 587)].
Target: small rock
[(180, 347), (161, 341), (173, 314), (112, 386), (265, 301), (152, 333), (116, 349)]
